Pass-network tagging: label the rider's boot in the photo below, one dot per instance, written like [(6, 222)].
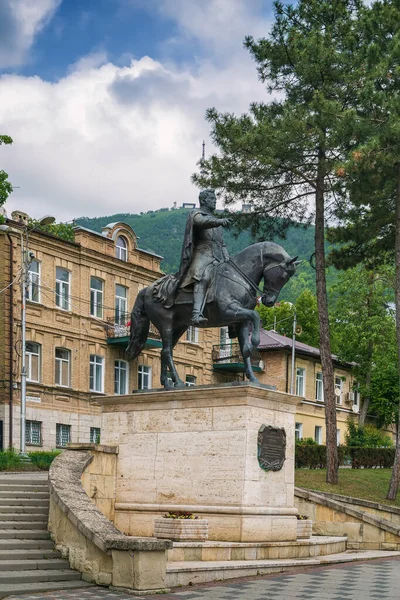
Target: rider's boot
[(199, 291)]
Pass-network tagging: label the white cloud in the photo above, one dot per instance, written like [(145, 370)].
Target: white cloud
[(108, 138), (20, 22)]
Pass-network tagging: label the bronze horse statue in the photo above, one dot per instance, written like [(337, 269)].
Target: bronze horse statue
[(231, 302)]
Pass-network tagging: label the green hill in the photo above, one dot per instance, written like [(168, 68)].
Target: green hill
[(161, 231)]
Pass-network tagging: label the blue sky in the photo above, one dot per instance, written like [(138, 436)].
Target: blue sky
[(105, 99)]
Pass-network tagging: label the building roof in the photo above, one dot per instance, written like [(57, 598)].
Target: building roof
[(270, 340)]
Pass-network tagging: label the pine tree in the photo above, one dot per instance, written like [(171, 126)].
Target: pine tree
[(283, 156), (371, 227)]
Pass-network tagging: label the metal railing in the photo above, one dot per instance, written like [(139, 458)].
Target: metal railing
[(119, 326), (230, 354)]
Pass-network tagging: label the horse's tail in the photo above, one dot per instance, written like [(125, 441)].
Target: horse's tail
[(140, 325)]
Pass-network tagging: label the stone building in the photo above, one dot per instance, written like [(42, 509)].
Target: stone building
[(79, 297)]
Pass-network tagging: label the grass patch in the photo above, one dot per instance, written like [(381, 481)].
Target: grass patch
[(369, 484)]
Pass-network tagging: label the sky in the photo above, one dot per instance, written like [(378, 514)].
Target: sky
[(105, 99)]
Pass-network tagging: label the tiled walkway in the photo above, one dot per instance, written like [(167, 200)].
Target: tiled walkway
[(375, 580)]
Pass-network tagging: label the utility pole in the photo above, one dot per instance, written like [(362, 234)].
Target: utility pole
[(293, 349)]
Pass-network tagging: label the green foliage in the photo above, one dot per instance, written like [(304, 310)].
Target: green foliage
[(366, 436), (280, 317), (306, 442), (5, 186), (65, 231), (43, 460), (364, 332), (9, 460)]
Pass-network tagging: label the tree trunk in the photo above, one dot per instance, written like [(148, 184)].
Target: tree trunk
[(366, 400), (395, 479), (332, 465)]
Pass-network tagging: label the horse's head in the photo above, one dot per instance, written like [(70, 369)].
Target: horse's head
[(276, 274)]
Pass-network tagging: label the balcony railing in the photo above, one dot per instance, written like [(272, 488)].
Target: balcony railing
[(119, 327), (227, 357)]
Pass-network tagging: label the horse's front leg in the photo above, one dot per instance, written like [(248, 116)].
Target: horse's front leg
[(243, 315), (243, 337)]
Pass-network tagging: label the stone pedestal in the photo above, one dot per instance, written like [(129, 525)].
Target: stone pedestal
[(196, 450)]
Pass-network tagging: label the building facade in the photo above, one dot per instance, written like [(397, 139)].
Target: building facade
[(77, 322)]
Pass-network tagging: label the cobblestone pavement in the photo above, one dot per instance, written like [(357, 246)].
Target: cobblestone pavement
[(372, 580)]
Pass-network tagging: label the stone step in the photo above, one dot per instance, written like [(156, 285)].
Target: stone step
[(195, 572), (35, 588), (40, 575), (30, 479), (25, 554), (22, 525), (23, 534), (7, 508), (43, 564), (13, 516), (216, 551), (20, 544), (24, 487), (12, 501), (24, 495)]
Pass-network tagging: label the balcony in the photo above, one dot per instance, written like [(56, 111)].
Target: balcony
[(228, 358), (117, 331)]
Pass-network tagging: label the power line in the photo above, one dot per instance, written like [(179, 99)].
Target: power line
[(18, 275)]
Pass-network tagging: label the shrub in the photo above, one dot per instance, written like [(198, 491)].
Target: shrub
[(366, 436), (9, 460), (314, 457), (43, 460)]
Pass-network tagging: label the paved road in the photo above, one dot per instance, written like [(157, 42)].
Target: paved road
[(374, 580)]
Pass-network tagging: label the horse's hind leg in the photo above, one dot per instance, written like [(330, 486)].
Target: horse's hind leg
[(243, 337), (167, 362)]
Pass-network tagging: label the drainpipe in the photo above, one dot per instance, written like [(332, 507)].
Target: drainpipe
[(11, 372)]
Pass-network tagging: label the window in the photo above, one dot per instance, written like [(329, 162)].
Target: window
[(318, 434), (319, 388), (63, 435), (33, 433), (32, 361), (338, 390), (32, 292), (63, 367), (300, 381), (192, 334), (298, 431), (96, 297), (144, 377), (338, 437), (62, 288), (190, 380), (95, 435), (356, 393), (120, 377), (96, 379), (120, 304), (121, 248)]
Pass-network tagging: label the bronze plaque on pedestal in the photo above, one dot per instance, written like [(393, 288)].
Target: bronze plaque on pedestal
[(271, 450)]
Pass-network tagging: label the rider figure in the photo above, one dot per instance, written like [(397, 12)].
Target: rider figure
[(203, 249)]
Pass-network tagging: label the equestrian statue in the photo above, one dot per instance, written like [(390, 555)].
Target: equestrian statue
[(210, 290)]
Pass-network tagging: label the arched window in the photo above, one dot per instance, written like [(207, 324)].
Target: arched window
[(121, 248)]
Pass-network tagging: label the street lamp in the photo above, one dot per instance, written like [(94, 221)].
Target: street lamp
[(26, 259)]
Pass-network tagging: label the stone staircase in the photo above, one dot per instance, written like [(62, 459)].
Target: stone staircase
[(28, 560)]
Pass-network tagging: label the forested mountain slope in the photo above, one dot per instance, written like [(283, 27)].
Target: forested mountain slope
[(162, 232)]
